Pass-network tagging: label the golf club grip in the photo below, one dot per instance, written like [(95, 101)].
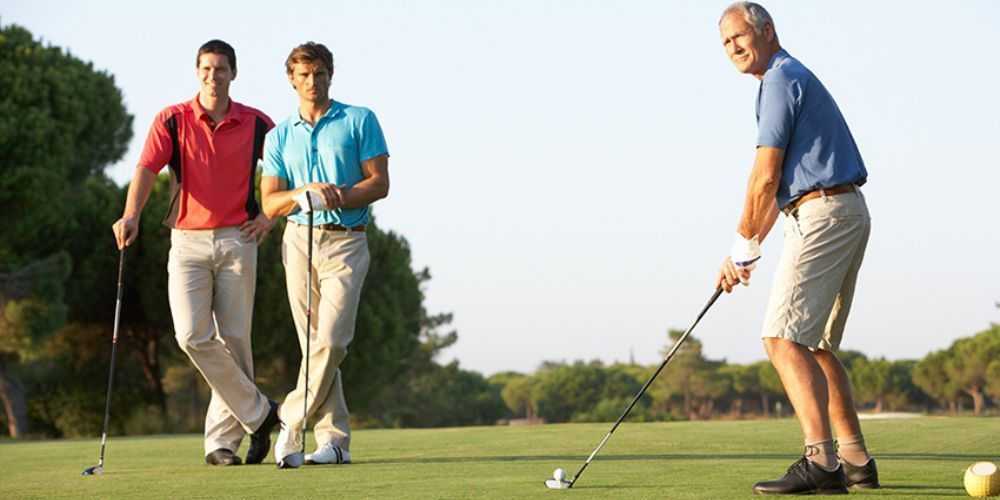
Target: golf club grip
[(666, 359)]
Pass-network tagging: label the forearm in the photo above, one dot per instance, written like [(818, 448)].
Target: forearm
[(760, 209), (772, 216), (276, 199), (366, 192), (375, 185), (138, 192)]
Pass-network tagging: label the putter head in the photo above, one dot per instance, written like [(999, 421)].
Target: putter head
[(558, 484), (96, 470)]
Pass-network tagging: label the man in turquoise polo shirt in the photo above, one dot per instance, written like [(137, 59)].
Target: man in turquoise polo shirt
[(808, 166), (338, 152)]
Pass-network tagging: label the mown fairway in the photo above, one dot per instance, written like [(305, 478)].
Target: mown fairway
[(918, 458)]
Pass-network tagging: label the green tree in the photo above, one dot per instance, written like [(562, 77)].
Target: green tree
[(968, 364), (565, 392), (520, 396), (881, 382), (691, 377), (929, 375), (61, 123)]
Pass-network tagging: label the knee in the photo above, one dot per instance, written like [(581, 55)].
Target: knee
[(188, 341), (338, 352), (773, 346)]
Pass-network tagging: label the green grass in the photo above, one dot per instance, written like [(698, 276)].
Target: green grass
[(918, 458)]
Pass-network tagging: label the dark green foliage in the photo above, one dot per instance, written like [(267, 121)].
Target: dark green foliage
[(61, 122)]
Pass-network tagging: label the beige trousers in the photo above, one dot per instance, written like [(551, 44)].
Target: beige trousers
[(340, 264), (212, 277)]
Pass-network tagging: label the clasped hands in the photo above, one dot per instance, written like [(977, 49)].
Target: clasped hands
[(323, 195)]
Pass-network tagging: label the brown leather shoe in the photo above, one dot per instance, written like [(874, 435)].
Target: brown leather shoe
[(863, 476), (223, 457), (803, 478)]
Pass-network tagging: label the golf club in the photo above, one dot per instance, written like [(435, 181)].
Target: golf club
[(99, 468), (558, 480), (309, 273)]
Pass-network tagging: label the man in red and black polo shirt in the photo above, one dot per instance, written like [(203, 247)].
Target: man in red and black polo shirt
[(212, 145)]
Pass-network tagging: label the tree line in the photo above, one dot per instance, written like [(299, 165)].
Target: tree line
[(965, 376), (62, 123)]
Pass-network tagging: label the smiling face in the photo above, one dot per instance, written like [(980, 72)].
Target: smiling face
[(311, 81), (215, 74), (748, 50)]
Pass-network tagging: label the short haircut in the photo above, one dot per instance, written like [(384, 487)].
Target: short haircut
[(217, 47), (754, 13), (310, 53)]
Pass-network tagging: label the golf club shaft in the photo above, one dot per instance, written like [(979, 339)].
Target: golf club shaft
[(114, 350), (309, 269), (666, 359)]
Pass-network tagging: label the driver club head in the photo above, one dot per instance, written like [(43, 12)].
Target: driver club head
[(558, 484), (96, 470)]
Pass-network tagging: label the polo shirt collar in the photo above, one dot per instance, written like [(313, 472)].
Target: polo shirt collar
[(235, 113), (335, 108), (779, 57)]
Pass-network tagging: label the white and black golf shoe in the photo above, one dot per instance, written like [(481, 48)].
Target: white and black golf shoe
[(329, 454)]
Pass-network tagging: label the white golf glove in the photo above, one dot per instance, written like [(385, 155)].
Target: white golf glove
[(318, 204), (745, 254)]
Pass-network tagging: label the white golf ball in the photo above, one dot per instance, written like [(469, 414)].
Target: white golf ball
[(559, 475)]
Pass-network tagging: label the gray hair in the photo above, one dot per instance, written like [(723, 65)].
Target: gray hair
[(754, 13)]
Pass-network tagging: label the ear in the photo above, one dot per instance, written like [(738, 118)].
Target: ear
[(292, 81), (769, 31), (234, 74)]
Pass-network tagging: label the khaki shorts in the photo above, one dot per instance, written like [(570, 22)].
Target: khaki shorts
[(825, 240)]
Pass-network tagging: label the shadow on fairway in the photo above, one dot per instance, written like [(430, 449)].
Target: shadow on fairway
[(944, 491), (881, 457)]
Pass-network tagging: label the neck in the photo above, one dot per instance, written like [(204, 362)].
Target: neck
[(216, 107), (312, 111), (774, 50)]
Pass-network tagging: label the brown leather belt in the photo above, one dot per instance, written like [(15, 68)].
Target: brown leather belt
[(830, 191), (336, 227)]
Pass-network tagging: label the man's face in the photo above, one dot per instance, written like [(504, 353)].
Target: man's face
[(311, 81), (215, 74), (749, 51)]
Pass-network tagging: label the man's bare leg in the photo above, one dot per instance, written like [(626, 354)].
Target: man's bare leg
[(843, 413), (806, 385)]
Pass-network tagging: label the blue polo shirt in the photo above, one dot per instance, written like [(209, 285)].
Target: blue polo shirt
[(330, 151), (796, 114)]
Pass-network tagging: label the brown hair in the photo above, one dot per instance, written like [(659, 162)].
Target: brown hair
[(310, 53), (217, 47)]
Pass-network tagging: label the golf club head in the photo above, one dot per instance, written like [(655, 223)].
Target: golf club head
[(558, 484), (96, 470), (292, 461)]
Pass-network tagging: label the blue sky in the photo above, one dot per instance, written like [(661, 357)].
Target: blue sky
[(572, 172)]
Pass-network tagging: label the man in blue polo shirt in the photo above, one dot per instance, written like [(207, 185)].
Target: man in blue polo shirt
[(808, 166), (338, 152)]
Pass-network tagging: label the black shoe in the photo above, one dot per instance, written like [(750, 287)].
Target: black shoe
[(260, 440), (863, 476), (222, 456), (805, 477)]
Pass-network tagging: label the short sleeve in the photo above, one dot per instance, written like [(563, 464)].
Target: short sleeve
[(272, 164), (159, 145), (372, 142), (779, 105)]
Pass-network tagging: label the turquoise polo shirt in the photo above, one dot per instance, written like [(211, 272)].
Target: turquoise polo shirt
[(331, 151), (795, 113)]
